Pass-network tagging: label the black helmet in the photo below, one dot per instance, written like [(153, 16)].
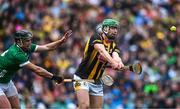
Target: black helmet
[(22, 34)]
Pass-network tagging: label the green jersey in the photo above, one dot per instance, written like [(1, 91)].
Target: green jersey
[(12, 60)]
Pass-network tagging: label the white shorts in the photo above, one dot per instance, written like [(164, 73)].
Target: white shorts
[(8, 89), (92, 88)]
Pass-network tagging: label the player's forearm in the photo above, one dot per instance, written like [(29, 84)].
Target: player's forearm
[(101, 49), (106, 56), (42, 72), (116, 57), (54, 45)]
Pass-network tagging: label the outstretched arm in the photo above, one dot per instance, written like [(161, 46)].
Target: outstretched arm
[(43, 72), (55, 44)]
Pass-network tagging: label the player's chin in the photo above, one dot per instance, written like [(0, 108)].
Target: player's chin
[(27, 48), (114, 35)]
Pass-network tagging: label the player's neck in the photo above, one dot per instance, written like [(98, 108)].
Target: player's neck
[(106, 39), (24, 50)]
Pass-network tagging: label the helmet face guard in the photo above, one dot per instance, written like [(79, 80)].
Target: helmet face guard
[(21, 36), (106, 25)]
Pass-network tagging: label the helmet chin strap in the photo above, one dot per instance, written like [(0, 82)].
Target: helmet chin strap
[(20, 44), (105, 31)]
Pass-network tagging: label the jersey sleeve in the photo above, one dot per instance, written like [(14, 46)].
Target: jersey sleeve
[(116, 49), (95, 39), (33, 47), (21, 59)]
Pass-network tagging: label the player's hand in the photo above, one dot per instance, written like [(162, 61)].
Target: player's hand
[(66, 35), (120, 65), (57, 79), (115, 65)]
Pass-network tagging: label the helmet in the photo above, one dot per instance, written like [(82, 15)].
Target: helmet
[(110, 23), (22, 34)]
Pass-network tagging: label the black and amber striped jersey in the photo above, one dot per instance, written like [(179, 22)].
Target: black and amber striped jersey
[(91, 66)]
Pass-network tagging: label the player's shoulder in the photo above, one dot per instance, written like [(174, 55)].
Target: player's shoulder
[(16, 51)]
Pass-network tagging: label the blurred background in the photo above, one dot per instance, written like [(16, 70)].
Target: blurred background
[(144, 36)]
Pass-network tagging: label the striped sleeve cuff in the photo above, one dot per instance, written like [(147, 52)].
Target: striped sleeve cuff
[(97, 41), (25, 63), (116, 50), (36, 47)]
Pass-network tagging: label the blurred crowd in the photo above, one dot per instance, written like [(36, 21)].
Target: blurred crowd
[(144, 36)]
